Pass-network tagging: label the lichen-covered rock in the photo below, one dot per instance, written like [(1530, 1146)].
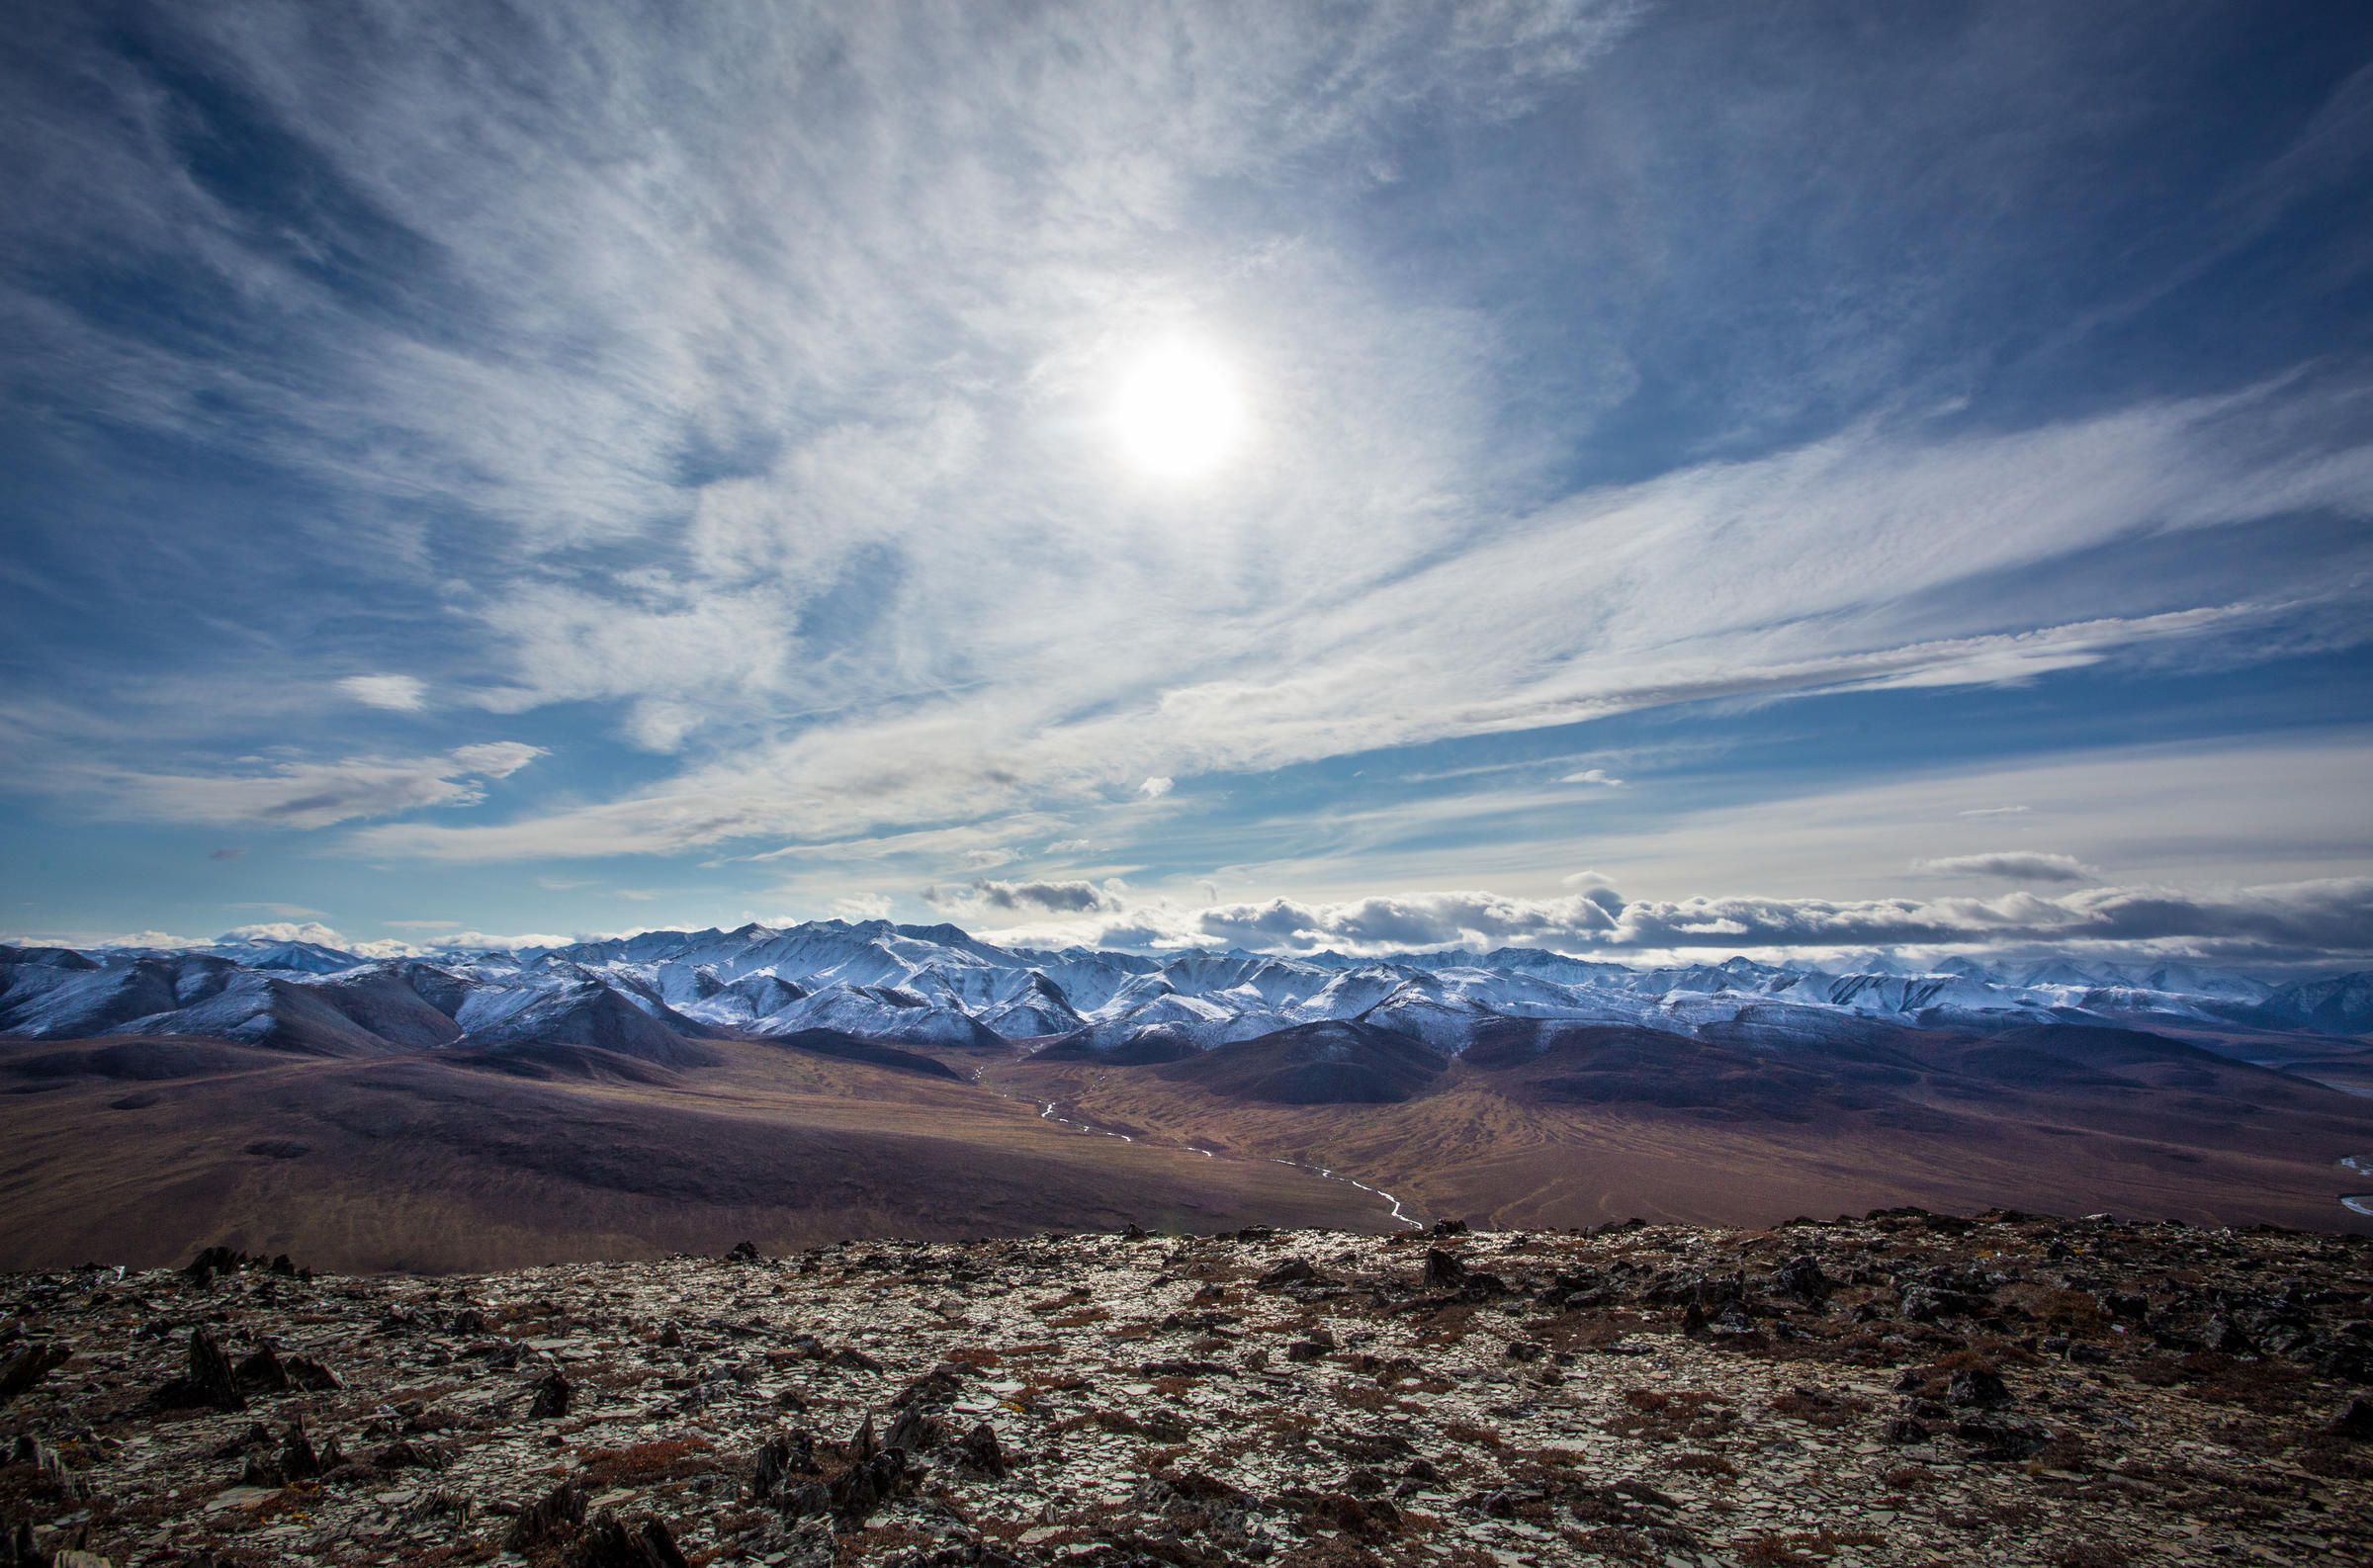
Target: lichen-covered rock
[(1092, 1401)]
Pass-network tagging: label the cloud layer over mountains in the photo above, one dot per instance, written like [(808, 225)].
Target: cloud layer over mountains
[(2285, 925), (2273, 929)]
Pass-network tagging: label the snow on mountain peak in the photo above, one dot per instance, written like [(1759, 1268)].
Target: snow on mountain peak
[(939, 985)]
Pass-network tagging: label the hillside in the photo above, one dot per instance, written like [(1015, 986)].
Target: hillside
[(680, 1091), (1545, 1125), (1901, 1389), (500, 1157)]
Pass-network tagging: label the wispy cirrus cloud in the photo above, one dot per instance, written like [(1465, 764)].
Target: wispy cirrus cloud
[(302, 795), (736, 395), (284, 912), (860, 563)]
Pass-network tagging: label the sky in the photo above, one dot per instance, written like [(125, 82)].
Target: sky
[(1637, 479)]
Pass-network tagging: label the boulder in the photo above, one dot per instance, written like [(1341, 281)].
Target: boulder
[(552, 1518), (1977, 1386), (2355, 1420), (2001, 1438), (914, 1430), (977, 1452), (263, 1372), (1293, 1270), (210, 1380), (607, 1542), (21, 1371), (864, 1487), (1802, 1278), (781, 1456), (551, 1395)]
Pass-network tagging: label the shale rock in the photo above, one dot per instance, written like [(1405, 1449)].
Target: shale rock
[(1096, 1402)]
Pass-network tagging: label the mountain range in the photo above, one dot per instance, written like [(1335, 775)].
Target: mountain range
[(637, 1096), (650, 994)]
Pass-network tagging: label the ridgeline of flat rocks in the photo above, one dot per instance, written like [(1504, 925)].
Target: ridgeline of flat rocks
[(1904, 1389)]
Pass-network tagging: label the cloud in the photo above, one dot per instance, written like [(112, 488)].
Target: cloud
[(299, 794), (1067, 846), (101, 941), (401, 692), (477, 941), (1064, 898), (2324, 919), (1596, 775), (1390, 922), (310, 794), (561, 884), (1992, 811), (276, 932), (225, 854), (497, 759), (989, 859), (284, 912), (842, 543), (2016, 865), (454, 941), (857, 906), (284, 932)]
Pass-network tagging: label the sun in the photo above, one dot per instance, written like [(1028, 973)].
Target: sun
[(1178, 413)]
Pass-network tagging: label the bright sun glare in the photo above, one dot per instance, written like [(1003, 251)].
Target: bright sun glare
[(1178, 414)]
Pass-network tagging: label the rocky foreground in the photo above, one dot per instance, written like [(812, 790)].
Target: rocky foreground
[(1904, 1389)]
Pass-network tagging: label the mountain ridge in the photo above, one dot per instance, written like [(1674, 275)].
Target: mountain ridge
[(938, 987)]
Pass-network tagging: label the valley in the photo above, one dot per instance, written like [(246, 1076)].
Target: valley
[(629, 1100)]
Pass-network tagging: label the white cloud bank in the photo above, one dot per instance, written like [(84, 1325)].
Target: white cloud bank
[(2286, 923), (454, 939)]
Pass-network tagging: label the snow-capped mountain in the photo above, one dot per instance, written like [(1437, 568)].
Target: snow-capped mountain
[(938, 986)]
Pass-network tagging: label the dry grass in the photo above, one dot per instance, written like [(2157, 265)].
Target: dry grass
[(1803, 1548), (647, 1463), (1655, 1416), (1818, 1409), (2091, 1554)]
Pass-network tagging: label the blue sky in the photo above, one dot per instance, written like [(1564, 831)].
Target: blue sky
[(1796, 479)]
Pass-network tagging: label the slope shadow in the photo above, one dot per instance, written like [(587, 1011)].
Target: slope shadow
[(855, 1048), (1329, 1063)]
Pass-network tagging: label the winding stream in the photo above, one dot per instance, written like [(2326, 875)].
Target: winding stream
[(1047, 1113), (2361, 1202)]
